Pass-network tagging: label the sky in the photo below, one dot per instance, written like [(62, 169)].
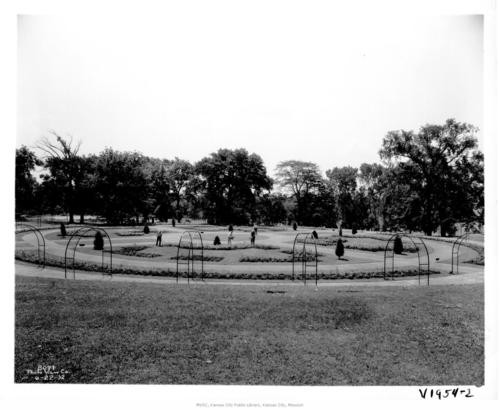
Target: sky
[(291, 83)]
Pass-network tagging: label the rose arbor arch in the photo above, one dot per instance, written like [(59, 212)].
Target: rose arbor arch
[(455, 251), (422, 255), (190, 242), (300, 254), (25, 228), (72, 245)]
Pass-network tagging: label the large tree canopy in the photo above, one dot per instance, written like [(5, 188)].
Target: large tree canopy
[(66, 170), (435, 161), (122, 185), (232, 179), (301, 179), (26, 185), (343, 182)]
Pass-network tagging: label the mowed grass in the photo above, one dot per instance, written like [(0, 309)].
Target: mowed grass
[(112, 332)]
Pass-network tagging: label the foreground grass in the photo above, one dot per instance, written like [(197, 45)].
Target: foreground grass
[(105, 332)]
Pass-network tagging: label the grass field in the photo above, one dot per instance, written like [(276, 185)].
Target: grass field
[(111, 332)]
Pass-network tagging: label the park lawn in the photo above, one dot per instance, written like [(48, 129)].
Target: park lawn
[(117, 332)]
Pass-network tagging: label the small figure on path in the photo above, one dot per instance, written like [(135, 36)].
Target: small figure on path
[(252, 238), (314, 235), (230, 238), (158, 238)]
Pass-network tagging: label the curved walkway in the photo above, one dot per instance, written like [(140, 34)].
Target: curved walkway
[(470, 276)]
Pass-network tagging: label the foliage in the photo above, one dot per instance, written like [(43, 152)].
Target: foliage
[(339, 249), (428, 179), (301, 179), (179, 174), (231, 181), (98, 241), (26, 184), (216, 241), (122, 185), (146, 229), (444, 171), (67, 170), (343, 183), (398, 245)]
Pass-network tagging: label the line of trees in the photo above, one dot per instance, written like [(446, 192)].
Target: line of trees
[(426, 180)]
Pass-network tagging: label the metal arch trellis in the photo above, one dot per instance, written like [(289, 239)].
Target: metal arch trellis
[(189, 261), (308, 239), (39, 239), (419, 249), (455, 249), (79, 234)]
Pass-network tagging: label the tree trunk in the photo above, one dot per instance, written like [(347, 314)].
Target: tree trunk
[(71, 217), (443, 230), (82, 218)]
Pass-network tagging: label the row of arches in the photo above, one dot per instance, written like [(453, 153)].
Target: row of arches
[(190, 253)]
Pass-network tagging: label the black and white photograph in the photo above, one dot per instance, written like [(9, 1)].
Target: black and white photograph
[(248, 196)]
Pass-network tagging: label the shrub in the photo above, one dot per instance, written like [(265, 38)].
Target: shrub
[(339, 249), (146, 229), (98, 241), (216, 241), (315, 234), (173, 222), (63, 230), (398, 245), (295, 226), (230, 228), (354, 230)]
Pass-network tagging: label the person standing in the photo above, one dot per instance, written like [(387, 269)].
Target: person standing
[(158, 238), (252, 238), (230, 238)]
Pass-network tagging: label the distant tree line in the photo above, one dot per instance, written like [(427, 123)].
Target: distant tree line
[(426, 180)]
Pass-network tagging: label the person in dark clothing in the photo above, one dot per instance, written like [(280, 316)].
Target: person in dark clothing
[(158, 238)]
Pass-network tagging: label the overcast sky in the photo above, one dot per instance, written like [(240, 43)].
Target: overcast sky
[(288, 84)]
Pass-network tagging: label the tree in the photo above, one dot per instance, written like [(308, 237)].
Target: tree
[(98, 241), (343, 182), (159, 188), (339, 249), (65, 170), (300, 179), (435, 160), (270, 209), (232, 180), (398, 245), (123, 185), (26, 184), (374, 179), (179, 174)]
